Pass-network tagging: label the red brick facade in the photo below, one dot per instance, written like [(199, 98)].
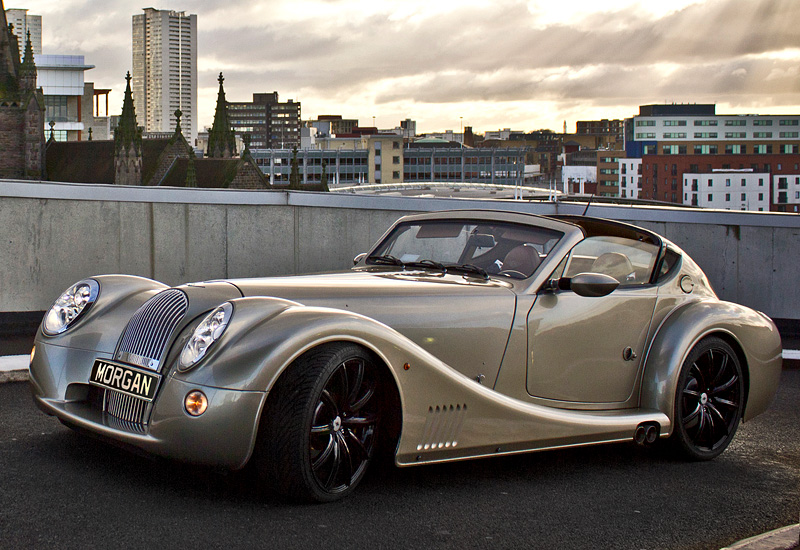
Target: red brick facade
[(662, 175)]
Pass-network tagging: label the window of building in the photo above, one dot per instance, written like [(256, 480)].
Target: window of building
[(733, 150), (727, 182), (738, 122), (762, 149), (674, 135), (705, 122), (705, 135), (761, 196), (645, 123), (645, 136), (674, 123), (396, 174), (705, 149), (727, 197), (762, 122), (735, 135), (761, 182), (395, 145), (762, 134), (395, 159), (789, 122), (787, 149), (744, 196), (710, 182), (744, 182)]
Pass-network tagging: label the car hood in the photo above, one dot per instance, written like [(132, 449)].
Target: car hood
[(464, 321)]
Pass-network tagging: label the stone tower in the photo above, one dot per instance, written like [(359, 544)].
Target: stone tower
[(21, 109), (127, 143), (221, 141)]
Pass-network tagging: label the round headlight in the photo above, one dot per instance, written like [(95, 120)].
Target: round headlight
[(206, 333), (70, 306)]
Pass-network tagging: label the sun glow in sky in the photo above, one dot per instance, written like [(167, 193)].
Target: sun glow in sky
[(486, 64)]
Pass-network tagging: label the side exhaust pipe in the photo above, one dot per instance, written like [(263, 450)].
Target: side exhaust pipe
[(640, 435), (646, 433)]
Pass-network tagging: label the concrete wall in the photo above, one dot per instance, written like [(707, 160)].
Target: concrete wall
[(56, 234)]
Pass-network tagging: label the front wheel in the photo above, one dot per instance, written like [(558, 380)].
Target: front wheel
[(318, 433), (709, 400)]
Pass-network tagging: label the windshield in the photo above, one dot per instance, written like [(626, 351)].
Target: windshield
[(490, 248)]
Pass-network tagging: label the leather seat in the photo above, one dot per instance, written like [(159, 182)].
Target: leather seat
[(615, 264), (523, 258)]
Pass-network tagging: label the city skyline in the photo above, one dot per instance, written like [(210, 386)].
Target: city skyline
[(481, 64)]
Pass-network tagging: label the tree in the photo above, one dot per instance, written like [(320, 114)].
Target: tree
[(294, 174), (323, 179)]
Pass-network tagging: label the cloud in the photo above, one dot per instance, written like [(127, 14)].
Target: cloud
[(361, 58)]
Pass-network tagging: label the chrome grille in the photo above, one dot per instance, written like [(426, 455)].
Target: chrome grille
[(125, 412), (150, 327)]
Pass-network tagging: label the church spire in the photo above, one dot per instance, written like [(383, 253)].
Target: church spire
[(127, 143), (9, 59), (221, 142), (127, 134), (27, 70)]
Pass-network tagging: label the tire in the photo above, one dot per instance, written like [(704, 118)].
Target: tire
[(709, 400), (319, 431)]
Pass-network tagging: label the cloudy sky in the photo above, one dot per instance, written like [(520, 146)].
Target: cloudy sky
[(489, 64)]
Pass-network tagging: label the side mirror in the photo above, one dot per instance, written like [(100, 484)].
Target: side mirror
[(590, 285), (359, 257)]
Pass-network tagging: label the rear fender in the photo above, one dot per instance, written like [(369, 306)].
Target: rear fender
[(752, 334)]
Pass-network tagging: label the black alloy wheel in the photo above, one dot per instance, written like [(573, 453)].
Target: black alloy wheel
[(709, 400), (342, 433), (319, 429)]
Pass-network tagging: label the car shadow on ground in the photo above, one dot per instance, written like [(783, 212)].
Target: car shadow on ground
[(82, 453)]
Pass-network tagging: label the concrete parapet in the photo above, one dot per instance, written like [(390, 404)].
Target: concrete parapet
[(56, 234)]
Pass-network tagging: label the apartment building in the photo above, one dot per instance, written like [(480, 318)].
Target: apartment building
[(744, 189), (23, 23), (165, 71), (674, 140)]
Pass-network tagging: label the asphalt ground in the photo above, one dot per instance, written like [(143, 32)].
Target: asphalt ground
[(61, 489)]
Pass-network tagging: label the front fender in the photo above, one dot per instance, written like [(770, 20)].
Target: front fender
[(267, 334), (752, 332)]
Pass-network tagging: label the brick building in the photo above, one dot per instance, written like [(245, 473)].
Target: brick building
[(663, 175), (21, 109)]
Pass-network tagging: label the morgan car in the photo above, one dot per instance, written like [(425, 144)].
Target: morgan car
[(460, 334)]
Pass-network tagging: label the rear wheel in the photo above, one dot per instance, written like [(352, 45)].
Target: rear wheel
[(318, 433), (709, 400)]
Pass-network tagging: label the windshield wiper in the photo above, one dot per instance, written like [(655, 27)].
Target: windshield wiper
[(428, 263), (386, 259), (468, 268)]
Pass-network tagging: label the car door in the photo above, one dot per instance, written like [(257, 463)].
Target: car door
[(589, 349)]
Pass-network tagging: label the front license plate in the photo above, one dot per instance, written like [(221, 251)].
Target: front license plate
[(125, 379)]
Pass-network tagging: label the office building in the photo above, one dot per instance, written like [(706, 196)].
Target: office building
[(610, 134), (270, 123), (61, 78), (23, 23), (165, 70)]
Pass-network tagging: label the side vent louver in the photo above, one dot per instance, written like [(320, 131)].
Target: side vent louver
[(442, 426)]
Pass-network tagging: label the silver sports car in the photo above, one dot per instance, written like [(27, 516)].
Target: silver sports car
[(461, 334)]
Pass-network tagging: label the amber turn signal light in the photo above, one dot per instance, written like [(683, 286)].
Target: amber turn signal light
[(195, 403)]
